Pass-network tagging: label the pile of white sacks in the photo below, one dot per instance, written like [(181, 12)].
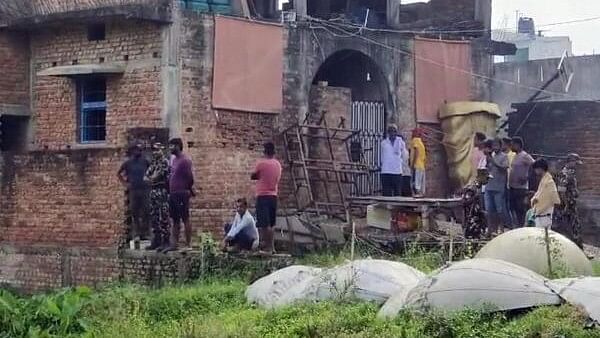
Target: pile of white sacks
[(504, 276)]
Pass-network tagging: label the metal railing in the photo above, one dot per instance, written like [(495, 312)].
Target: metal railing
[(369, 119)]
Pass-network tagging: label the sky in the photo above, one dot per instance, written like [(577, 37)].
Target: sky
[(552, 11), (583, 34)]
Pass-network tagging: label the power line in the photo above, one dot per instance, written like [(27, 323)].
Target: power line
[(571, 22), (325, 24), (447, 31)]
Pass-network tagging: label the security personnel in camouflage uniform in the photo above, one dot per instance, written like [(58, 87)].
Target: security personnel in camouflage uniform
[(567, 215), (157, 176), (475, 220)]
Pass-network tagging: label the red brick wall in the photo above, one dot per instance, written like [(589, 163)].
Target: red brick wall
[(337, 104), (553, 129), (225, 144), (134, 98), (62, 199), (14, 67)]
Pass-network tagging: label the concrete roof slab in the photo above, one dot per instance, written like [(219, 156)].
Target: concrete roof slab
[(89, 69)]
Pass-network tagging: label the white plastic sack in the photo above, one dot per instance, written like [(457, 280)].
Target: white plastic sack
[(282, 287), (526, 247), (370, 280), (485, 284), (583, 292)]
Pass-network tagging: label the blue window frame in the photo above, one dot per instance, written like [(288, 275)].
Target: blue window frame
[(92, 110)]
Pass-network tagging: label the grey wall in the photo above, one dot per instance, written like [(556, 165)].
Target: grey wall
[(585, 85)]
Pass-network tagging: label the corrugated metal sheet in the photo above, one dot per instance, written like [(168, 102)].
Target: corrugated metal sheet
[(441, 75), (248, 66)]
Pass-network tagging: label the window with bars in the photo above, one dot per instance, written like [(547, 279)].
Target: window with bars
[(92, 110)]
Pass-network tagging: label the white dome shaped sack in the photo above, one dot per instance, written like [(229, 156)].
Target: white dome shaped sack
[(486, 284), (369, 280), (526, 247), (583, 292), (282, 287)]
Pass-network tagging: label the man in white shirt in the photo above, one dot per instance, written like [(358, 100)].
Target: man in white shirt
[(242, 234), (392, 149)]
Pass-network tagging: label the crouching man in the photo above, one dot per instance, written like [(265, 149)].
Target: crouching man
[(242, 234)]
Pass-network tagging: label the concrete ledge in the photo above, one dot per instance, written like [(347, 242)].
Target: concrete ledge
[(160, 12), (32, 269), (14, 109), (88, 69)]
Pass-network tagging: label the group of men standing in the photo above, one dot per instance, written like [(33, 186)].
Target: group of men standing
[(508, 200), (159, 193), (246, 233), (403, 169)]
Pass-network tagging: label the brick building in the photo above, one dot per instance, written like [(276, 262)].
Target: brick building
[(82, 79)]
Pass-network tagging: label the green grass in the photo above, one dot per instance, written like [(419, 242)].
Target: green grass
[(217, 308)]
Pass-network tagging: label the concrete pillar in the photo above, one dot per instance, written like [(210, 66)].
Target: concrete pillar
[(393, 13), (301, 8), (170, 76)]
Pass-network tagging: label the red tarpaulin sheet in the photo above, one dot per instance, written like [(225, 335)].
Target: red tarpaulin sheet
[(442, 75), (248, 66)]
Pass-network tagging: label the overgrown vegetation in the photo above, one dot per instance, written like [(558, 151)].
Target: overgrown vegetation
[(217, 308)]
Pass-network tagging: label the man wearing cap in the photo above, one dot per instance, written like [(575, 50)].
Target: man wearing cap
[(567, 215), (157, 176), (392, 148), (131, 175)]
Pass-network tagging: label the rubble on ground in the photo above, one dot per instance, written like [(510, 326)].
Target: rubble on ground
[(526, 247), (487, 284)]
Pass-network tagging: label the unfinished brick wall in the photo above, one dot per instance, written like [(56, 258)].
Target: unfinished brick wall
[(14, 67), (225, 144), (552, 129), (32, 270), (133, 99), (335, 105), (69, 198)]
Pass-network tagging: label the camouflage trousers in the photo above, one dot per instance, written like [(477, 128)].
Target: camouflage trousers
[(568, 221), (475, 222), (159, 214)]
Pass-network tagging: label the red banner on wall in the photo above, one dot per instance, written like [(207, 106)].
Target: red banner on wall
[(442, 75), (248, 66)]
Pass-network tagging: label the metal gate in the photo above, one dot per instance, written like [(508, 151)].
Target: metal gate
[(369, 118)]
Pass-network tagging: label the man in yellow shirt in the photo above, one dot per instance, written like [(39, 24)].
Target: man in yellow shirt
[(418, 159)]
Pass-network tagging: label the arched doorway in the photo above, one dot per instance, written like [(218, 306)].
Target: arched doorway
[(369, 98)]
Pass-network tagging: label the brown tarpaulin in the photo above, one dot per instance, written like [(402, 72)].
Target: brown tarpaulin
[(441, 71), (460, 121), (248, 66)]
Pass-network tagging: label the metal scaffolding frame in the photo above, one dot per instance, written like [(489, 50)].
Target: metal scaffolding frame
[(335, 176)]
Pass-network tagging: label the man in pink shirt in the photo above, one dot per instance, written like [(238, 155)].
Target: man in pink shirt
[(267, 175)]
